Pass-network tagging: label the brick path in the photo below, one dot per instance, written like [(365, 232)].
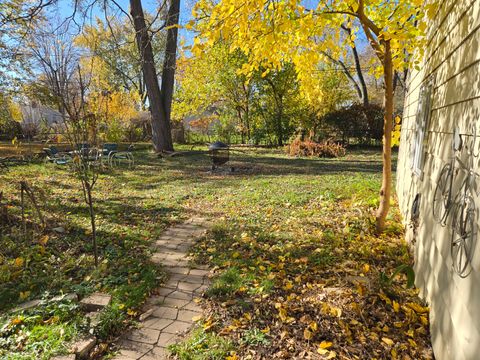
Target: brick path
[(174, 307)]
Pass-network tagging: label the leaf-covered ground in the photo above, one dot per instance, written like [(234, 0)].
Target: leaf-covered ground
[(298, 270)]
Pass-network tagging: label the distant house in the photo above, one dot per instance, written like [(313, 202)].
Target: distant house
[(36, 114), (442, 121)]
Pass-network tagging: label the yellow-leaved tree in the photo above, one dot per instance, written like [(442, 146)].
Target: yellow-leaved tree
[(276, 31)]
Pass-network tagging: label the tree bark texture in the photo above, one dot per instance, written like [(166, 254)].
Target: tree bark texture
[(161, 129), (385, 191)]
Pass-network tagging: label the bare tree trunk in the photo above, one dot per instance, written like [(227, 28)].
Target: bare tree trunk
[(385, 191), (88, 188), (363, 85), (279, 122), (169, 64), (161, 131)]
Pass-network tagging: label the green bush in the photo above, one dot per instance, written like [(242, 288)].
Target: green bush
[(363, 123), (10, 129)]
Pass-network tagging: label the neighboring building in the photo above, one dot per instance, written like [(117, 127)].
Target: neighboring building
[(35, 114), (442, 96)]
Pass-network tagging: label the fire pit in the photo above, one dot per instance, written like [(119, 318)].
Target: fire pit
[(219, 153)]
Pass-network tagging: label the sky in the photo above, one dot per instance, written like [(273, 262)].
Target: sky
[(64, 9)]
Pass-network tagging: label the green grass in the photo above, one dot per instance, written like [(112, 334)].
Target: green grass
[(202, 345), (285, 227)]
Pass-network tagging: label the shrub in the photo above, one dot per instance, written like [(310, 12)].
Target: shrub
[(10, 129), (327, 149), (363, 123)]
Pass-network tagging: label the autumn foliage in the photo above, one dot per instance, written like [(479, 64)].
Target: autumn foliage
[(327, 149)]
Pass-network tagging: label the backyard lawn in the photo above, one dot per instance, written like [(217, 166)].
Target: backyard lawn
[(297, 269)]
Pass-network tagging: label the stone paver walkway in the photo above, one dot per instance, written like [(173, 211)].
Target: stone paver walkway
[(172, 309)]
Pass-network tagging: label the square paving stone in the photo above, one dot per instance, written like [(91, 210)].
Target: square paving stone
[(166, 339), (183, 248), (180, 295), (177, 327), (156, 323), (199, 272), (174, 256), (177, 277), (175, 303), (184, 286), (192, 306), (83, 347), (95, 301), (201, 290), (158, 353), (194, 279), (164, 312), (155, 300), (134, 350), (179, 270), (165, 248), (171, 284), (173, 263), (144, 335), (187, 315), (165, 291)]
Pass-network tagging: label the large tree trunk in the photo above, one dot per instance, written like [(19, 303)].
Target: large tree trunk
[(169, 64), (161, 130), (385, 191)]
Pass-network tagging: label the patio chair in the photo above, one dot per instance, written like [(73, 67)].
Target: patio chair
[(126, 157), (55, 156), (108, 150)]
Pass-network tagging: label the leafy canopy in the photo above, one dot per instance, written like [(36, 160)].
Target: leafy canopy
[(275, 31)]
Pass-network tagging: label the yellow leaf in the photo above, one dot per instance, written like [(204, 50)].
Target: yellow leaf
[(19, 262), (418, 308), (326, 344), (236, 254), (366, 268), (396, 306), (121, 306), (232, 356), (314, 326), (43, 240), (322, 351), (24, 294), (131, 312), (208, 324), (332, 355), (307, 334), (288, 285), (17, 320), (387, 341)]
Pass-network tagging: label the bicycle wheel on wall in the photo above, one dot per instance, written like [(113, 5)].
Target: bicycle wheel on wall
[(442, 195), (464, 236)]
